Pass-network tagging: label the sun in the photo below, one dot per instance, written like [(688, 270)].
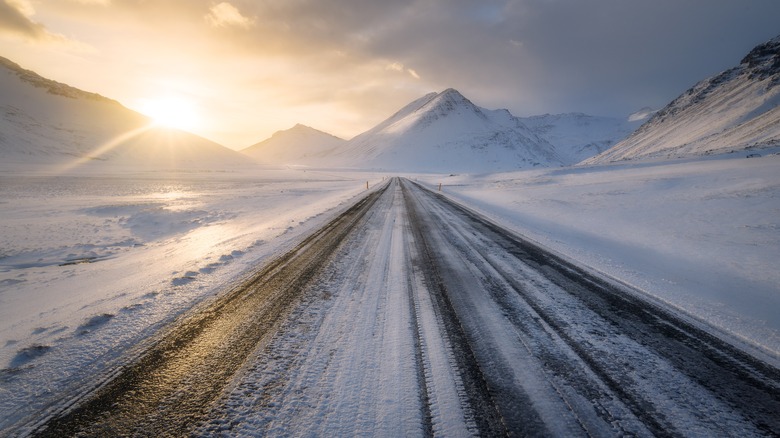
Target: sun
[(172, 112)]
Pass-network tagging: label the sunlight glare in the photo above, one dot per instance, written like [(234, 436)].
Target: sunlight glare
[(172, 112)]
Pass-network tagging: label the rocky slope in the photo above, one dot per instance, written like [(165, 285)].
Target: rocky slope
[(736, 110)]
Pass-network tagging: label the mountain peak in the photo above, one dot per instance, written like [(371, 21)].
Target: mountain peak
[(446, 132), (764, 61), (447, 103), (451, 93), (452, 97), (300, 144)]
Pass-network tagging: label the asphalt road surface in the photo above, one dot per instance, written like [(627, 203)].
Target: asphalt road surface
[(410, 315)]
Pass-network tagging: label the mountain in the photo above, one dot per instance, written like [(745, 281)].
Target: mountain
[(578, 136), (297, 145), (446, 132), (738, 109), (50, 125)]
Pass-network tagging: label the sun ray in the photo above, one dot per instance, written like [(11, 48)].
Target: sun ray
[(104, 148)]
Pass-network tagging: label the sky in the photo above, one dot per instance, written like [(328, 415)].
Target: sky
[(236, 71)]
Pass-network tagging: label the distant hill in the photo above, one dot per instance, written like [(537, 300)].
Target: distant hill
[(297, 145), (578, 136), (47, 124), (446, 132), (738, 109)]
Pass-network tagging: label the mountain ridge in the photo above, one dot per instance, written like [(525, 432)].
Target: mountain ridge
[(447, 132), (430, 132), (51, 86), (49, 125), (737, 109)]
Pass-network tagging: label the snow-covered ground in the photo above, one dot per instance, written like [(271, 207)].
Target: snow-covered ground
[(90, 265), (702, 236)]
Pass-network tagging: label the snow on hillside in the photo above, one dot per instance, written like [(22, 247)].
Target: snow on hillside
[(697, 235), (48, 125), (446, 132), (642, 115), (297, 145), (738, 109), (578, 136)]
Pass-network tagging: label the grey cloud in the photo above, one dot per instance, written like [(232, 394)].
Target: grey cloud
[(601, 56), (13, 21)]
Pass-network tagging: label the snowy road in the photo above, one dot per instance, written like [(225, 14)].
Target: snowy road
[(410, 315)]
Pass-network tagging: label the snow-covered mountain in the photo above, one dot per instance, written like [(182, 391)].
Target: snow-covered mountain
[(735, 110), (446, 132), (578, 136), (47, 124), (297, 145)]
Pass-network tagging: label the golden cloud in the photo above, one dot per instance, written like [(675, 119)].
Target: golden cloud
[(225, 15)]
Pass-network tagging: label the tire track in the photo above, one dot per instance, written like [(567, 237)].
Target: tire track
[(423, 371), (486, 416), (169, 387), (673, 376)]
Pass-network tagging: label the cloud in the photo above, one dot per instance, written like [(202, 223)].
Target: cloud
[(225, 15), (15, 20), (356, 62), (397, 66), (92, 2)]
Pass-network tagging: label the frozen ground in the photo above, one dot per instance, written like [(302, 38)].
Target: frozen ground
[(701, 236), (408, 315), (90, 265)]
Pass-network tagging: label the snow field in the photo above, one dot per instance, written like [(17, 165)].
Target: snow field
[(698, 235), (92, 265)]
